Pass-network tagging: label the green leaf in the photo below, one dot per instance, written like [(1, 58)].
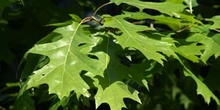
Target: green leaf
[(160, 6), (62, 73), (114, 95), (190, 52), (212, 45), (200, 29), (131, 37), (185, 101), (216, 22), (24, 102), (174, 23), (75, 17), (202, 88), (175, 1), (58, 103), (111, 88)]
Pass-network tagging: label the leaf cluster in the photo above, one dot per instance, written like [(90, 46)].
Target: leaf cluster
[(151, 55)]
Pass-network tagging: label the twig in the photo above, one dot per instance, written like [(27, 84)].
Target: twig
[(183, 29), (100, 8)]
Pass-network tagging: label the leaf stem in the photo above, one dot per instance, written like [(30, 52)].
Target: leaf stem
[(93, 15), (183, 29), (101, 7), (216, 30), (190, 6), (86, 19)]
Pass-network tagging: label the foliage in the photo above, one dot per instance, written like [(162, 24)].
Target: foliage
[(149, 55)]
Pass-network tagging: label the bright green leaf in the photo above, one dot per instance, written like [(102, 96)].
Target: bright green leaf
[(175, 1), (173, 23), (114, 95), (202, 88), (190, 52), (212, 45), (131, 37), (200, 29), (216, 22), (160, 6), (62, 73)]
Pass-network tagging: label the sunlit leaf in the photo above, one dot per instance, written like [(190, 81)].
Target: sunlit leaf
[(160, 6), (202, 89), (216, 22), (190, 52), (212, 45), (175, 1), (174, 23), (62, 73), (114, 95), (131, 37)]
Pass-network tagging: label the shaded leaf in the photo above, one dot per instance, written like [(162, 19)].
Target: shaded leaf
[(111, 88), (24, 102), (212, 79), (58, 103)]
